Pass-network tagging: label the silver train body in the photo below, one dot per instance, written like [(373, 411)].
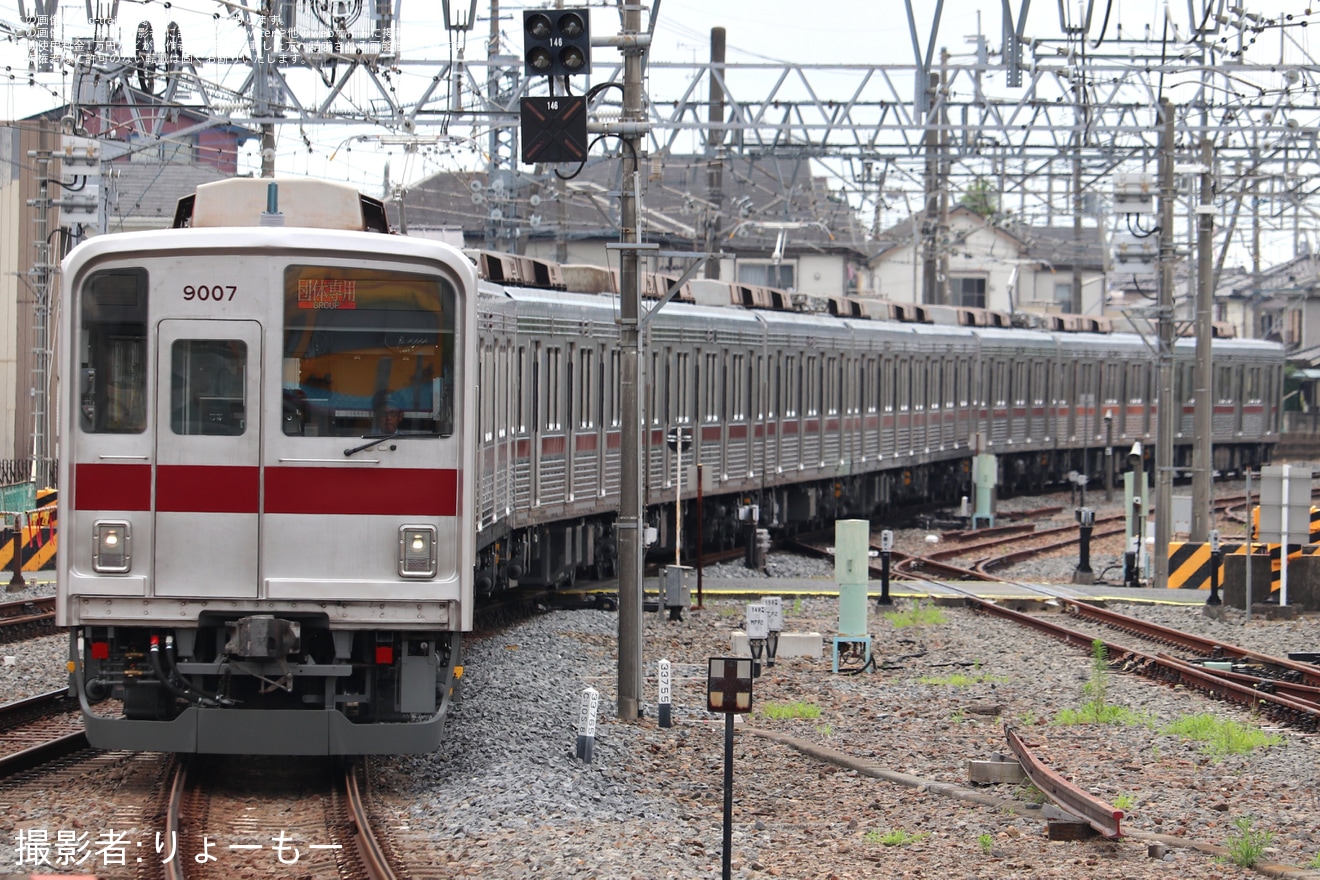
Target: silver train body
[(296, 456), (802, 418)]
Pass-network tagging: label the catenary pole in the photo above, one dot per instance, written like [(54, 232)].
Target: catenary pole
[(1202, 452), (1167, 406), (630, 512)]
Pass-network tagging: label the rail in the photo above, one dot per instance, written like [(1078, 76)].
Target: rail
[(1099, 815), (369, 849)]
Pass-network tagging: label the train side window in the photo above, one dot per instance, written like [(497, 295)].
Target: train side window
[(112, 345), (208, 380), (613, 383), (736, 377)]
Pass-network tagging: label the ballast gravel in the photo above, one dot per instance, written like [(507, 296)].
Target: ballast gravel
[(508, 797)]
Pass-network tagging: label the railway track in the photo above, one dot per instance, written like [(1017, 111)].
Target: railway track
[(1287, 691), (39, 730), (234, 817), (27, 618)]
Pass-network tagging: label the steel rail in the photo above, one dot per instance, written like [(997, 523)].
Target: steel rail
[(43, 753), (1101, 816), (1196, 676), (1306, 673), (173, 869), (369, 849), (1166, 668)]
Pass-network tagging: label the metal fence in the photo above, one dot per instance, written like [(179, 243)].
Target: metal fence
[(1296, 422), (22, 470)]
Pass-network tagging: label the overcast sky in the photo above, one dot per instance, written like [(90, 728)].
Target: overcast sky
[(821, 32)]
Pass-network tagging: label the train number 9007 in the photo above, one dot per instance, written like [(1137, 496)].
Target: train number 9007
[(205, 292)]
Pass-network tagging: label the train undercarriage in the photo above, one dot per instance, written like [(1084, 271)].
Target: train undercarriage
[(554, 555), (235, 684)]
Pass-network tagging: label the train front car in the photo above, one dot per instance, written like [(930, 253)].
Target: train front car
[(267, 448)]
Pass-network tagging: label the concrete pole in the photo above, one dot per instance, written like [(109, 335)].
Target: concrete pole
[(930, 218), (1168, 407), (1202, 452), (715, 152), (631, 503), (1076, 305)]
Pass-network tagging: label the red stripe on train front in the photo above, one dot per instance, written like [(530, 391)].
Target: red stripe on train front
[(112, 486), (206, 489), (393, 492)]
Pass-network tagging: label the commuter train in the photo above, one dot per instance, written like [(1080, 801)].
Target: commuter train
[(297, 451)]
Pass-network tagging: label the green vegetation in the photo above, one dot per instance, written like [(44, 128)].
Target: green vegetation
[(920, 615), (1030, 793), (781, 711), (1124, 802), (897, 837), (797, 606), (1247, 845), (958, 679), (826, 730), (1315, 861), (958, 717), (981, 198), (1096, 709), (987, 842), (1221, 737)]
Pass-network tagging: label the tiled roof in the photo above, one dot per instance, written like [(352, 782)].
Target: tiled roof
[(675, 198)]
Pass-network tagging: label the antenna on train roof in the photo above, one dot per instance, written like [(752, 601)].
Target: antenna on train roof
[(272, 216)]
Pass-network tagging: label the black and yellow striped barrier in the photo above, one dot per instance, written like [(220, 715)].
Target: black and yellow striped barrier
[(35, 537), (1314, 537), (1190, 562)]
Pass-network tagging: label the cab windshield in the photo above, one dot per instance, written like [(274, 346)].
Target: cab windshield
[(367, 351)]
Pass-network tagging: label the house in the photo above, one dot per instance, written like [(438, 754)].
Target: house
[(155, 154), (993, 264), (772, 223)]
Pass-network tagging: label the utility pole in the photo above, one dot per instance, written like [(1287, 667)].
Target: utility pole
[(630, 522), (1202, 452), (715, 151), (262, 89), (1079, 116), (1166, 422), (930, 224)]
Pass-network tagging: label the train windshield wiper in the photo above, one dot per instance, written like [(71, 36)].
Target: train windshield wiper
[(372, 440), (377, 439)]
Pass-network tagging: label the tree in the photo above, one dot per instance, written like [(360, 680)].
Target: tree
[(981, 198)]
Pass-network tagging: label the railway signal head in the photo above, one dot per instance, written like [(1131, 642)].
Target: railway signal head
[(556, 42)]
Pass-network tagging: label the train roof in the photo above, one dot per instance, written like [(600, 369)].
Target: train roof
[(288, 240)]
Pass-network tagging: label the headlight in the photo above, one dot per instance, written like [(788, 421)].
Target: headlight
[(417, 551), (112, 550)]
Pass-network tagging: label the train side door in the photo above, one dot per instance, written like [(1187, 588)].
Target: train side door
[(207, 486)]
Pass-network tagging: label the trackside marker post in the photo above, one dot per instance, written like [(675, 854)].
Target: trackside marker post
[(728, 690), (758, 634), (664, 678), (774, 610), (586, 738)]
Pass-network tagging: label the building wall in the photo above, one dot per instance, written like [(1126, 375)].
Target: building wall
[(1038, 290), (17, 304), (982, 252), (11, 217)]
